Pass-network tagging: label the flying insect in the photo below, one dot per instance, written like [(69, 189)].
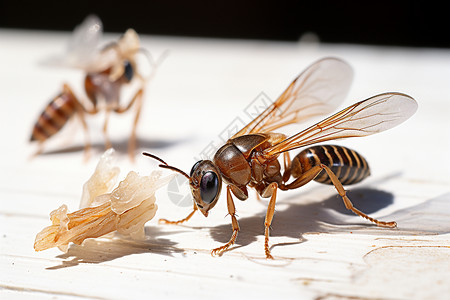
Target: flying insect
[(108, 71)]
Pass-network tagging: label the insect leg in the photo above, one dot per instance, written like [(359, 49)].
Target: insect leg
[(87, 143), (303, 179), (81, 110), (258, 197), (165, 221), (271, 189), (348, 203), (105, 129), (287, 166), (39, 150), (137, 98), (234, 223)]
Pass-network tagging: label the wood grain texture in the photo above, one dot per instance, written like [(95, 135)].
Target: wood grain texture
[(321, 251)]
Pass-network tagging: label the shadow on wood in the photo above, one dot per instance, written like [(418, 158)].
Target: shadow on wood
[(119, 146), (331, 216), (297, 219), (94, 251)]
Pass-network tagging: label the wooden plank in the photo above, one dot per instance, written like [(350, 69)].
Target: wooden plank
[(321, 251)]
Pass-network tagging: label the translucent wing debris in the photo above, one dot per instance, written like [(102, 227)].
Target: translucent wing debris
[(125, 209)]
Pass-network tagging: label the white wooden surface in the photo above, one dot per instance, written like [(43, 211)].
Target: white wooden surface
[(321, 251)]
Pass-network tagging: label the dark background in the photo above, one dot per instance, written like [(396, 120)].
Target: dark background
[(398, 23)]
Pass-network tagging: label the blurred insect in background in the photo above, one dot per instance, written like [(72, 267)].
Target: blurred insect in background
[(250, 157), (108, 70)]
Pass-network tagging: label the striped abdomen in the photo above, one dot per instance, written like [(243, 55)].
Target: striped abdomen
[(55, 116), (346, 164)]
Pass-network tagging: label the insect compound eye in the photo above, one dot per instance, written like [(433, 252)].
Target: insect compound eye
[(209, 186), (128, 70), (194, 167)]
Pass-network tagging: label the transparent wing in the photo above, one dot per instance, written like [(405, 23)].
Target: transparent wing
[(84, 44), (364, 118), (319, 90), (83, 48)]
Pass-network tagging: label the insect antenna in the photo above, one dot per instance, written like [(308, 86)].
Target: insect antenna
[(165, 165), (154, 157), (153, 63)]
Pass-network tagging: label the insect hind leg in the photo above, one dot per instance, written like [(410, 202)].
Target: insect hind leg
[(313, 172), (349, 205), (302, 179)]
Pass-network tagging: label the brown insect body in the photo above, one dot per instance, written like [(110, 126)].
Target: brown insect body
[(239, 166), (99, 86), (250, 157), (64, 106), (236, 162), (348, 165), (55, 116)]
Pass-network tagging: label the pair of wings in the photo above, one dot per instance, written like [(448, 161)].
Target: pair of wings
[(319, 90)]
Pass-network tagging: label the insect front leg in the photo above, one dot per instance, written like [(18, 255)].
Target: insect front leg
[(165, 221), (348, 204), (137, 98), (234, 224), (270, 190)]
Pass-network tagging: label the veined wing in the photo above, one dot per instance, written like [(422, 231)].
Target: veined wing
[(318, 90), (364, 118)]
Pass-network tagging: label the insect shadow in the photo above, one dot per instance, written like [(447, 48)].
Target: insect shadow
[(295, 219), (120, 146), (94, 251)]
